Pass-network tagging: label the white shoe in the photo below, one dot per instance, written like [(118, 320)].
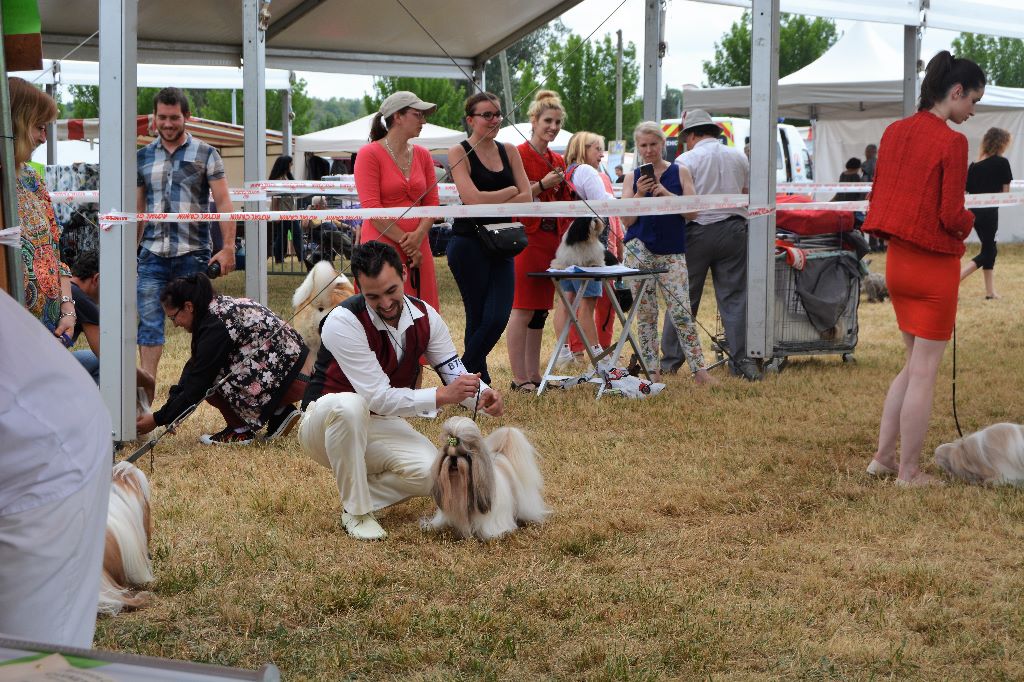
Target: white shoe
[(362, 526), (564, 358)]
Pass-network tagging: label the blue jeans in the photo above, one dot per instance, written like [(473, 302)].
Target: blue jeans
[(154, 274), (90, 363), (486, 284)]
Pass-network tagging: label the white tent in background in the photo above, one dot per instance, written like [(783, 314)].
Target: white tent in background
[(522, 133), (350, 137)]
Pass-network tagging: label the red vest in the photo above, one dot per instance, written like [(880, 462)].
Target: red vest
[(328, 376)]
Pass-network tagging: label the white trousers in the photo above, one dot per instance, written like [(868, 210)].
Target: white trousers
[(377, 461), (50, 563)]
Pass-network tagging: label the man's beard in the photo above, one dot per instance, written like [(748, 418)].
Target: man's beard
[(396, 317), (180, 134)]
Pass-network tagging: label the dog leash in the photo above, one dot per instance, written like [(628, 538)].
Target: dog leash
[(956, 420)]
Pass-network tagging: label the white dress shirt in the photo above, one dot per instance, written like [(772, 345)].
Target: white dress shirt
[(588, 183), (345, 337), (717, 169), (51, 416)]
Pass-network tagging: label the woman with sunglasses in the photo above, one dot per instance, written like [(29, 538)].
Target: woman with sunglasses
[(485, 172), (243, 340), (392, 172)]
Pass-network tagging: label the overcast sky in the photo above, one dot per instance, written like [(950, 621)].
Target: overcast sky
[(692, 29)]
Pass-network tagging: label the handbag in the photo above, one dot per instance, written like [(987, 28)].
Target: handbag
[(504, 240)]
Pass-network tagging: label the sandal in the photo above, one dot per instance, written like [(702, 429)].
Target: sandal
[(525, 387)]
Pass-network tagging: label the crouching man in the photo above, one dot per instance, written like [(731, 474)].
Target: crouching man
[(364, 384)]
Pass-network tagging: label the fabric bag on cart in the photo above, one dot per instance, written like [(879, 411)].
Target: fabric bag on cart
[(810, 222), (823, 287)]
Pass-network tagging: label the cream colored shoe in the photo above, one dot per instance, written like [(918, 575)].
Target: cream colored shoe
[(362, 526), (879, 470)]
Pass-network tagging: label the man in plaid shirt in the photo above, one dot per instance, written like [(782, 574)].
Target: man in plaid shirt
[(177, 174)]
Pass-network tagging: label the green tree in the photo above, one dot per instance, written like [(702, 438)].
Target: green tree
[(583, 73), (1002, 59), (446, 94), (526, 53), (334, 112), (801, 40), (672, 103)]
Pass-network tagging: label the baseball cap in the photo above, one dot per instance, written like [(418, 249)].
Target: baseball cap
[(696, 117), (402, 99)]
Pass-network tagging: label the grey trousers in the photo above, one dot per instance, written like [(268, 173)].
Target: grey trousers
[(722, 248)]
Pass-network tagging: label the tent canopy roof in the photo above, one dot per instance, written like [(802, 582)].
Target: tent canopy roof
[(314, 35), (858, 77), (351, 137), (70, 72)]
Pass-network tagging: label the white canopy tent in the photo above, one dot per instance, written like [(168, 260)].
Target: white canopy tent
[(861, 76), (350, 137), (521, 132)]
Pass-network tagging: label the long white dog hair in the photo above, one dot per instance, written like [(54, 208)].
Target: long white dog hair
[(484, 487), (317, 290), (126, 562), (992, 456)]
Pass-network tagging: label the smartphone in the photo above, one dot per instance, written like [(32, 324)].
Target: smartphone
[(645, 170)]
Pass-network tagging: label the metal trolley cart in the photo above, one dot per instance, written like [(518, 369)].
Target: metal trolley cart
[(795, 333)]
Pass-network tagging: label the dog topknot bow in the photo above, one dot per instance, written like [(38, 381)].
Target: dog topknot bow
[(453, 441)]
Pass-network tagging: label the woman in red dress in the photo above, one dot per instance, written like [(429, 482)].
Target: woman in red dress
[(392, 172), (917, 203), (534, 296)]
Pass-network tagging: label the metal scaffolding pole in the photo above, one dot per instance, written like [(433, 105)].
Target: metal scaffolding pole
[(254, 62), (911, 55), (654, 50), (118, 246), (764, 77), (12, 255)]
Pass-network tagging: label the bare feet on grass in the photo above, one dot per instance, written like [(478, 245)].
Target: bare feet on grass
[(703, 378), (919, 480)]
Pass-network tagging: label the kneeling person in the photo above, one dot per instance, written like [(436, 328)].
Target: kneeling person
[(364, 384)]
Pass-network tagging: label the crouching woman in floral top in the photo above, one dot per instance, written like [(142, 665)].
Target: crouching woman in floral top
[(240, 338)]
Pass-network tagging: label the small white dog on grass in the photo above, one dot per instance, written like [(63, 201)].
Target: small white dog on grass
[(992, 456), (485, 487), (126, 562)]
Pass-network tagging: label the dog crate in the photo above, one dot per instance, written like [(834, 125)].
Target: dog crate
[(795, 334)]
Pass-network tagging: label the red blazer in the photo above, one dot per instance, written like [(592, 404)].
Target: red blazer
[(918, 190)]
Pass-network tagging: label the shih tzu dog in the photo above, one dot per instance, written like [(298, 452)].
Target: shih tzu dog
[(992, 456), (322, 290), (126, 562), (581, 245), (485, 487)]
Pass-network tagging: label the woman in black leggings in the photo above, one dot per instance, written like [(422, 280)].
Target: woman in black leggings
[(990, 173), (485, 172)]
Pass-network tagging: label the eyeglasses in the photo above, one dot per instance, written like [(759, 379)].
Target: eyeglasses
[(174, 317), (490, 115)]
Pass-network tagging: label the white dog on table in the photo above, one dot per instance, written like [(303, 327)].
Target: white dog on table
[(485, 487)]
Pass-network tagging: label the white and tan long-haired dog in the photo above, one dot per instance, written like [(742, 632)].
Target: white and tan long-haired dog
[(484, 487), (321, 296), (992, 456), (581, 245), (126, 562)]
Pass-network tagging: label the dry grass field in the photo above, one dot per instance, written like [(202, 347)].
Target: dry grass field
[(703, 534)]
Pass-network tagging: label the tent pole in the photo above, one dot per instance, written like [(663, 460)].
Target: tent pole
[(764, 78), (654, 50), (286, 116), (118, 246), (254, 109), (911, 55)]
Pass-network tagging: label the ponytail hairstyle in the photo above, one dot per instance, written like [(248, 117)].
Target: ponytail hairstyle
[(945, 71), (542, 101), (379, 126), (195, 289)]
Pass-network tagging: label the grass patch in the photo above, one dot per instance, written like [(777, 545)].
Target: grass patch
[(723, 534)]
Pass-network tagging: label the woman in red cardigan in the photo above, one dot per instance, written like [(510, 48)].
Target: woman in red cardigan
[(391, 172), (917, 203)]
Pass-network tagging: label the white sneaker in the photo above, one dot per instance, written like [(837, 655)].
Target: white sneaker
[(362, 526), (564, 358)]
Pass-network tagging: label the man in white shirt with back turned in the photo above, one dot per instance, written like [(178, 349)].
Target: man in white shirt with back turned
[(364, 383), (715, 240)]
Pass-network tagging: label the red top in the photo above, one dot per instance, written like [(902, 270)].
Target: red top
[(536, 167), (918, 191)]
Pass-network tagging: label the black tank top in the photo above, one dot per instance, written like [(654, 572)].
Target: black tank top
[(485, 180)]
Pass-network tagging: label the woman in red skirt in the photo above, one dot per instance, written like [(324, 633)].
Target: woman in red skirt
[(917, 203), (534, 296)]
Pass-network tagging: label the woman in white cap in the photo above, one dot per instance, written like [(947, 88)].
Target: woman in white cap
[(392, 172)]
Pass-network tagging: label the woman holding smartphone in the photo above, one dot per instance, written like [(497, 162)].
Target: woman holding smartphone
[(659, 241)]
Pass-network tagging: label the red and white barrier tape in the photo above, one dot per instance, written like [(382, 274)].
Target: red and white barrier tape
[(93, 196), (559, 209)]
